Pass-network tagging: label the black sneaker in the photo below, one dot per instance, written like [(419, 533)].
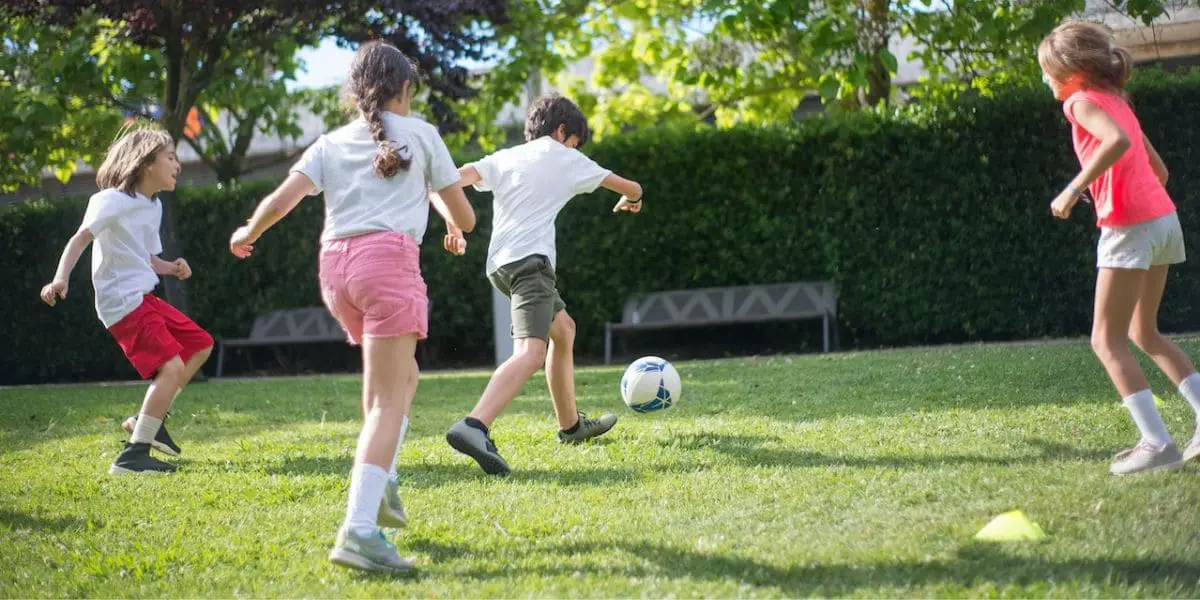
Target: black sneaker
[(162, 440), (135, 459), (478, 445)]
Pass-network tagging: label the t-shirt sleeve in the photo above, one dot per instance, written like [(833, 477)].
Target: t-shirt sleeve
[(489, 173), (103, 209), (585, 175), (312, 165), (440, 170)]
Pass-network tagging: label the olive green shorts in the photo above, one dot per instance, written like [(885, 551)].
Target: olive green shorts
[(529, 284)]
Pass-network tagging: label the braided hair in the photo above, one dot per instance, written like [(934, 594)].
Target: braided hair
[(377, 75)]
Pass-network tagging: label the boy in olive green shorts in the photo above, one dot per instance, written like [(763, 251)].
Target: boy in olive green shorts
[(532, 183)]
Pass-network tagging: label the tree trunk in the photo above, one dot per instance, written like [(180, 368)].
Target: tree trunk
[(173, 118), (875, 33)]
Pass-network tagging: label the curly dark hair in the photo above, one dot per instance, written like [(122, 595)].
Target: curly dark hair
[(376, 76), (552, 111)]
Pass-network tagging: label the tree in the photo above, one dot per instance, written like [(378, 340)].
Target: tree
[(202, 43), (756, 61)]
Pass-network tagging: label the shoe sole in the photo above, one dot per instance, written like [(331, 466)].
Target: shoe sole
[(345, 558), (115, 470), (490, 464), (574, 441), (1167, 467), (1192, 457), (157, 445)]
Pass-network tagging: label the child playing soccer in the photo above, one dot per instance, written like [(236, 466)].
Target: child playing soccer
[(1140, 235), (532, 183), (161, 342), (374, 173)]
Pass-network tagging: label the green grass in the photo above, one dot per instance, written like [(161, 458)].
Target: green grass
[(846, 475)]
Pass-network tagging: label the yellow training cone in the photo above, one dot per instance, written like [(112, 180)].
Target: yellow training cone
[(1011, 527)]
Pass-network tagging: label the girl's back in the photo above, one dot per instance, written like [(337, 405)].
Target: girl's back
[(357, 199)]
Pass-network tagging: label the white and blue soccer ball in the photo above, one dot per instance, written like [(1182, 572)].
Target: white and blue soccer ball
[(650, 384)]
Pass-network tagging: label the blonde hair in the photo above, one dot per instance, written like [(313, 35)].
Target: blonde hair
[(136, 146), (1086, 49)]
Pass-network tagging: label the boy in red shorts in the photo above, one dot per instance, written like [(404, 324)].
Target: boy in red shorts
[(123, 220)]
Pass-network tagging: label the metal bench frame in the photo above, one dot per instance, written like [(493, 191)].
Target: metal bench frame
[(728, 306), (312, 325)]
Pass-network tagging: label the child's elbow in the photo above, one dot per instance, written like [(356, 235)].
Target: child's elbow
[(1122, 143), (467, 223)]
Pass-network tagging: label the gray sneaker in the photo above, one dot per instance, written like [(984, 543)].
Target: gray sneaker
[(478, 445), (370, 553), (1192, 451), (588, 428), (391, 509), (1144, 458)]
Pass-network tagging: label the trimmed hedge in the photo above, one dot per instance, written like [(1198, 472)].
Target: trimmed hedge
[(934, 223)]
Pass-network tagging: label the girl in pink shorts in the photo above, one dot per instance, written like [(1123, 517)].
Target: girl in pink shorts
[(375, 174), (1140, 235)]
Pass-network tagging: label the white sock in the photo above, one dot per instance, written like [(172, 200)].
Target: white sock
[(1146, 417), (1189, 388), (399, 443), (145, 429), (366, 491)]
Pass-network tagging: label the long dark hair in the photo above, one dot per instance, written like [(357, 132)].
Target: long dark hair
[(377, 75)]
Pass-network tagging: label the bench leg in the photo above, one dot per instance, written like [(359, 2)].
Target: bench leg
[(220, 359), (825, 321)]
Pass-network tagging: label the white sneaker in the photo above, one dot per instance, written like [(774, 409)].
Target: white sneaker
[(1145, 458), (1192, 451)]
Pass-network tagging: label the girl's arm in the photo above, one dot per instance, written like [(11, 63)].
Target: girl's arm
[(1156, 161), (453, 241), (66, 263), (274, 207), (451, 201), (1113, 142)]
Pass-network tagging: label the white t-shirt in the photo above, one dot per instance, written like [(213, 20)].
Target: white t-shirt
[(357, 200), (125, 229), (532, 183)]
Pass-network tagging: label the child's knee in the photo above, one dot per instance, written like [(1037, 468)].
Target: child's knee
[(172, 372), (531, 354), (563, 329)]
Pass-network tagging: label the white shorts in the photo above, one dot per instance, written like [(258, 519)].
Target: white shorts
[(1141, 246)]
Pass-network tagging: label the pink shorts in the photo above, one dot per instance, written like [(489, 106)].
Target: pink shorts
[(372, 285)]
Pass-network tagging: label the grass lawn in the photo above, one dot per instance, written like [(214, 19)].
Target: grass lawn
[(846, 475)]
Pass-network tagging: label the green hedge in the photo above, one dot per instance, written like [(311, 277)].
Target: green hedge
[(934, 223)]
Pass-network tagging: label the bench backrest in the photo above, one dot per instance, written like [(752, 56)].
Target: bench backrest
[(313, 324), (733, 304)]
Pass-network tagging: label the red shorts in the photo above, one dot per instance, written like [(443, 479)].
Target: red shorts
[(155, 332)]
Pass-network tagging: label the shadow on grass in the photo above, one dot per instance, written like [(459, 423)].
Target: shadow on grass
[(762, 451), (421, 475), (13, 520), (972, 566)]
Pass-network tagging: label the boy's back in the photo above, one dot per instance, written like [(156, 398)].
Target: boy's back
[(531, 183)]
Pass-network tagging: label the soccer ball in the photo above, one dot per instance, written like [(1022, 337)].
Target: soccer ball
[(650, 384)]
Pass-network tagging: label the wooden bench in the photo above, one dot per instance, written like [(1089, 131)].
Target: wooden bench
[(727, 306), (311, 325)]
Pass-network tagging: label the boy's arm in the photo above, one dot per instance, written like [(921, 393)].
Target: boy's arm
[(178, 267), (630, 191), (1156, 161), (66, 263)]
